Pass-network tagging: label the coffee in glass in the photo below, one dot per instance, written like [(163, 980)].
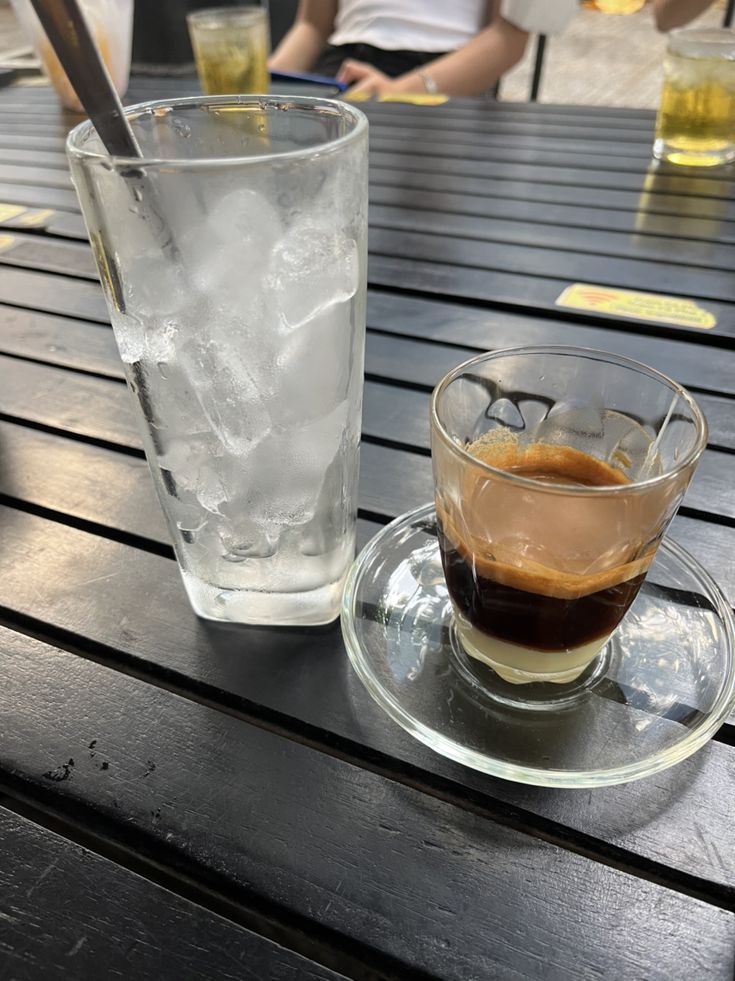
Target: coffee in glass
[(557, 472)]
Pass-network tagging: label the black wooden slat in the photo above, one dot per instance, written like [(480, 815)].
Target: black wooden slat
[(32, 252), (627, 246), (31, 142), (466, 161), (403, 416), (101, 409), (69, 914), (92, 589), (54, 294), (457, 132), (75, 298), (551, 154), (548, 126), (402, 360), (478, 111), (61, 223), (99, 486), (527, 293), (83, 482), (57, 340), (92, 348), (471, 330), (92, 485), (49, 255), (39, 197), (553, 264), (92, 407), (37, 176), (482, 143), (649, 200), (462, 330), (142, 88), (407, 191), (22, 123), (472, 899), (45, 112), (559, 217), (402, 157), (29, 251), (33, 156), (539, 165)]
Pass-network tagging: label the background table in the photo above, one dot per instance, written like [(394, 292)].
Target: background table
[(186, 800)]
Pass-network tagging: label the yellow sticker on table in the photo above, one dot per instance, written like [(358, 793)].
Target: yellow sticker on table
[(32, 80), (17, 214), (6, 241), (416, 99), (8, 211), (35, 218), (638, 306), (413, 99)]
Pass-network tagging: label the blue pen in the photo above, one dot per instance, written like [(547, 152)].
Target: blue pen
[(306, 77)]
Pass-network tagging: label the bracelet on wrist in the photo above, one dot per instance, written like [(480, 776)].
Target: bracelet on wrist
[(429, 84)]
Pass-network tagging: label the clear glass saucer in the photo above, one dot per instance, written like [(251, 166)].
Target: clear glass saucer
[(661, 687)]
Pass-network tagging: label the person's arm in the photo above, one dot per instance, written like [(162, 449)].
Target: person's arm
[(302, 45), (471, 69), (669, 14)]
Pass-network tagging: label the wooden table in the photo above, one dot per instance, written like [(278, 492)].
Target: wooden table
[(182, 800)]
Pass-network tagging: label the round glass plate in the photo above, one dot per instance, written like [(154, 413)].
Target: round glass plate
[(662, 686)]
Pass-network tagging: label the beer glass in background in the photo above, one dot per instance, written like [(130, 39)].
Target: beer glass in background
[(557, 472), (231, 47), (233, 257), (110, 24), (696, 119)]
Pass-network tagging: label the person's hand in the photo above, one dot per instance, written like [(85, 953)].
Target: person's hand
[(363, 79)]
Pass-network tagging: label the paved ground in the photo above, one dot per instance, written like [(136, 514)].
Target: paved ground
[(599, 60)]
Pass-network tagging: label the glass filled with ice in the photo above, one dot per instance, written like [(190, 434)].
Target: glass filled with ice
[(233, 260)]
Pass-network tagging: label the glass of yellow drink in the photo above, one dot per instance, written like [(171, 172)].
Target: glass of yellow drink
[(696, 118), (231, 46), (111, 24)]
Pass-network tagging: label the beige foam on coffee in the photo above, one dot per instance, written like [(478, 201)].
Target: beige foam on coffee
[(544, 542)]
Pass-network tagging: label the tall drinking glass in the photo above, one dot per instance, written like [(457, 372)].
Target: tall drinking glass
[(696, 119), (231, 46), (233, 260), (110, 23)]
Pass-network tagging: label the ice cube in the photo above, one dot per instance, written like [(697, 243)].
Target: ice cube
[(284, 474), (313, 368), (129, 335), (155, 286), (312, 267), (227, 255), (244, 538)]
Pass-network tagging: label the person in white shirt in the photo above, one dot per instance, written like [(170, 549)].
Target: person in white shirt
[(457, 47)]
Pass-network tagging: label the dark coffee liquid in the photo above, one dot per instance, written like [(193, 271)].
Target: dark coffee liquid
[(503, 589), (543, 623)]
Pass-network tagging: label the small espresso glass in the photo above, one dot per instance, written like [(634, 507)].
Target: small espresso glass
[(557, 471)]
